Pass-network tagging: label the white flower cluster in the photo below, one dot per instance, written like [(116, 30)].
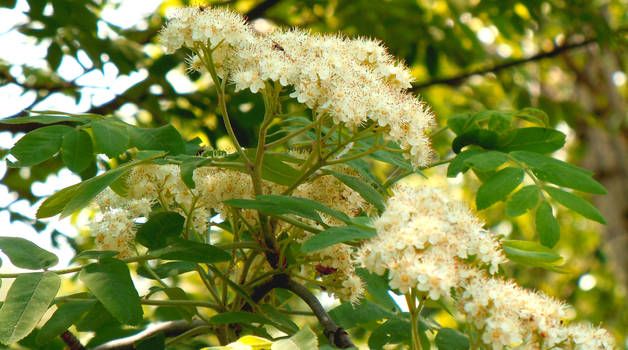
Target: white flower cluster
[(350, 80), (508, 315), (423, 238)]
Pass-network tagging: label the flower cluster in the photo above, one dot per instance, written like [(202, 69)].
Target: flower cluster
[(435, 245), (351, 80), (423, 238)]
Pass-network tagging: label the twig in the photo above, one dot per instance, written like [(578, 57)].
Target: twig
[(337, 335), (458, 79)]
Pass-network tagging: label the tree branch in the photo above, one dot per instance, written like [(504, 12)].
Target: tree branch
[(337, 335), (459, 79)]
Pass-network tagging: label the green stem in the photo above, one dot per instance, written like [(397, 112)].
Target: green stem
[(210, 286), (289, 136), (414, 319), (297, 223), (220, 88)]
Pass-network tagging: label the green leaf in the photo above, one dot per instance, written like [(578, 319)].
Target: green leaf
[(365, 190), (87, 190), (522, 201), (167, 269), (547, 225), (160, 229), (349, 315), (54, 204), (185, 250), (96, 318), (486, 161), (278, 205), (120, 185), (39, 145), (273, 314), (165, 138), (575, 203), (498, 187), (110, 281), (393, 331), (304, 339), (76, 150), (531, 253), (451, 339), (25, 254), (155, 342), (53, 56), (274, 169), (335, 235), (377, 286), (459, 123), (64, 317), (111, 137), (44, 119), (540, 140), (302, 203), (458, 165), (484, 138), (238, 317), (187, 168), (560, 173), (27, 300), (533, 115)]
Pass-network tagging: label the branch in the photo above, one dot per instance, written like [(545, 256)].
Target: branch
[(170, 329), (337, 335), (458, 79)]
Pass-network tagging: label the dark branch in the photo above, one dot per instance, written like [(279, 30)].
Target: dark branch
[(458, 79), (337, 335), (259, 10), (170, 329)]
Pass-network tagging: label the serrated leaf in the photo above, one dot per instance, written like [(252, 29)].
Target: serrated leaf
[(239, 317), (39, 145), (64, 317), (335, 235), (546, 225), (110, 281), (185, 250), (76, 150), (451, 339), (304, 339), (498, 187), (365, 190), (522, 201), (560, 173), (486, 161), (27, 300), (25, 254), (575, 203), (111, 137), (160, 229), (540, 140)]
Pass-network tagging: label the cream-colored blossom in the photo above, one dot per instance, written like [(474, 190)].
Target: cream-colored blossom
[(351, 80)]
